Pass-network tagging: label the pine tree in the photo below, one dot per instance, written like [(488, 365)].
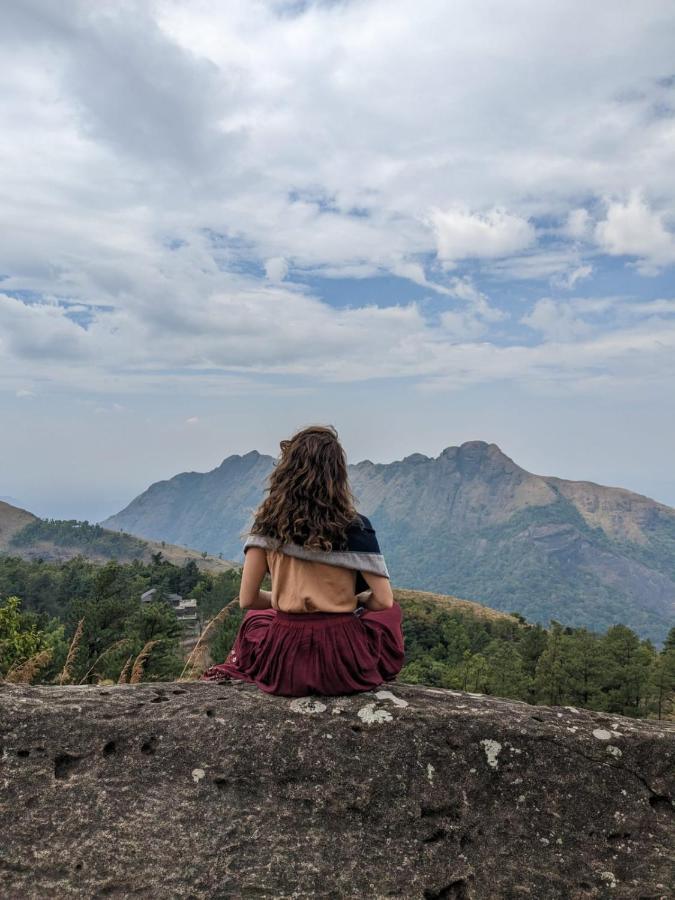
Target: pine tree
[(189, 576), (506, 676), (551, 678), (627, 675), (585, 668), (662, 680)]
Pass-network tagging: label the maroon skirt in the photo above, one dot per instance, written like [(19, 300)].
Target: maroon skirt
[(296, 654)]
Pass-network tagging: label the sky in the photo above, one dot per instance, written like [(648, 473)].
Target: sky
[(423, 223)]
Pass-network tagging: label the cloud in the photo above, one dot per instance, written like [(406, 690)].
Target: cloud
[(127, 86), (605, 363), (556, 321), (579, 224), (555, 263), (115, 408), (276, 268), (464, 289), (39, 331), (171, 163), (631, 228), (474, 319), (600, 317), (608, 342), (568, 279), (461, 234)]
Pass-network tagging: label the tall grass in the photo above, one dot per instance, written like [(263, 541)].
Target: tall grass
[(196, 661), (66, 672), (130, 674), (124, 674), (137, 671), (26, 671)]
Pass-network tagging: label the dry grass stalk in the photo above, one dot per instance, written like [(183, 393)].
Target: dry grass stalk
[(100, 657), (25, 672), (70, 659), (199, 648), (137, 671), (197, 664), (124, 674)]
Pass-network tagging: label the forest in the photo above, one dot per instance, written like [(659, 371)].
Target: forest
[(86, 537), (83, 623)]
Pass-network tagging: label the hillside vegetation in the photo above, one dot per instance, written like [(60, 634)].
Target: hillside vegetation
[(450, 642), (26, 535)]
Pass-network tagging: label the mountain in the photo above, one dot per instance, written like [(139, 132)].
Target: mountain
[(208, 510), (469, 522), (12, 520), (12, 500), (24, 534)]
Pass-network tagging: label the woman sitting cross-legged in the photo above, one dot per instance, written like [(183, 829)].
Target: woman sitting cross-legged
[(330, 624)]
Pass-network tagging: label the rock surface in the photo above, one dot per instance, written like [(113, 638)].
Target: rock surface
[(196, 790)]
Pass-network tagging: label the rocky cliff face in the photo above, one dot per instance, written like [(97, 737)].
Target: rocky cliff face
[(470, 522), (207, 792), (207, 510)]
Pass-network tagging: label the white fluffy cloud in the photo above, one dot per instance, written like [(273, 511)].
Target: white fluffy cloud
[(631, 228), (276, 268), (461, 234), (579, 224)]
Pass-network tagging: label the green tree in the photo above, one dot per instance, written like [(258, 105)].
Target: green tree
[(454, 638), (586, 668), (156, 621), (19, 637), (551, 676), (627, 663), (477, 674), (662, 680), (506, 676), (189, 577), (213, 593), (104, 624), (429, 671), (669, 643), (532, 644)]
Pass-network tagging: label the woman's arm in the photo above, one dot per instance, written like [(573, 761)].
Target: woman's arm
[(264, 601), (255, 567), (380, 595)]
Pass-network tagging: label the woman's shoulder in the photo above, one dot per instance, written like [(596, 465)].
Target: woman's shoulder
[(361, 522), (361, 536)]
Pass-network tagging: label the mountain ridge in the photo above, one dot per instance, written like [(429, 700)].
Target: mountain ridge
[(469, 522)]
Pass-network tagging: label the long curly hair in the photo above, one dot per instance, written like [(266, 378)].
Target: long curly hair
[(310, 501)]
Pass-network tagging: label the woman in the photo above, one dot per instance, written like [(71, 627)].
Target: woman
[(330, 624)]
